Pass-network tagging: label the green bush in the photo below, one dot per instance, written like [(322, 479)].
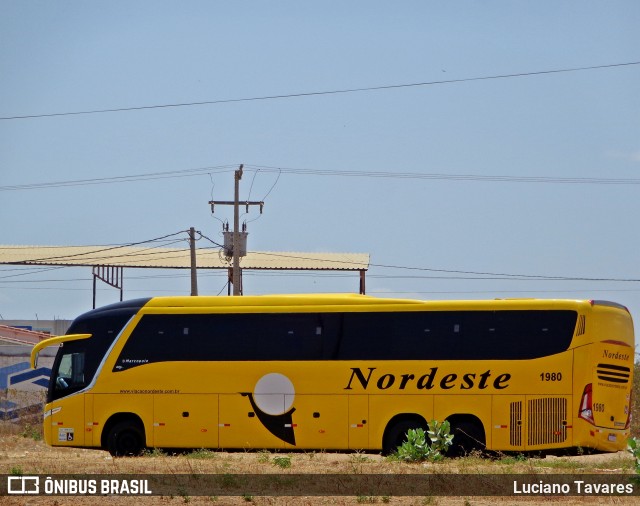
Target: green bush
[(16, 471), (203, 453), (430, 445), (635, 402), (415, 448), (633, 447), (32, 431), (282, 462)]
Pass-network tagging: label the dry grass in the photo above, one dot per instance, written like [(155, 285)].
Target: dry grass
[(23, 454)]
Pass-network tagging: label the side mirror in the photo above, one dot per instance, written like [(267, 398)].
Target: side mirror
[(51, 342)]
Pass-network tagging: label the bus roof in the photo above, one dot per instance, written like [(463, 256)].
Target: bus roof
[(333, 302), (355, 300)]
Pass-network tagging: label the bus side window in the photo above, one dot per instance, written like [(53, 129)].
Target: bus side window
[(331, 335), (275, 336), (296, 336)]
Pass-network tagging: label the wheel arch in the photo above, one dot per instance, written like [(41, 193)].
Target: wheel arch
[(462, 421), (115, 419), (401, 418)]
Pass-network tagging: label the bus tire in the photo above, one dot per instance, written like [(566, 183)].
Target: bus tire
[(125, 439), (396, 433), (468, 436)]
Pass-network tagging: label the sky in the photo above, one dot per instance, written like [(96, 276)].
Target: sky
[(489, 144)]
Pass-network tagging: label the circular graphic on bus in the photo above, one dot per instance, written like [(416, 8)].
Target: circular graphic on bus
[(274, 393)]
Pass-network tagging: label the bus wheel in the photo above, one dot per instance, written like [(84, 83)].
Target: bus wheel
[(125, 440), (396, 433), (468, 436)]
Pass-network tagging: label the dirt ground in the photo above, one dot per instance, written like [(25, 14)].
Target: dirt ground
[(26, 456)]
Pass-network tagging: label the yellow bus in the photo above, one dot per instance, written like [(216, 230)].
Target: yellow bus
[(341, 372)]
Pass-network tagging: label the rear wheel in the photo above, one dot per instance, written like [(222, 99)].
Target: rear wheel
[(468, 436), (396, 433), (125, 439)]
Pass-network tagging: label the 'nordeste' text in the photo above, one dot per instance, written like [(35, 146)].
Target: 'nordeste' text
[(426, 381)]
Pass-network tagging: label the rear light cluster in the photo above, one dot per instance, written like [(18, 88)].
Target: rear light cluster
[(586, 405)]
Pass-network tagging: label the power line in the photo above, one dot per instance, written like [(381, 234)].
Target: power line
[(319, 93), (210, 240), (327, 275), (450, 177), (69, 289), (507, 276), (129, 278), (451, 292), (332, 173), (418, 277), (494, 275), (30, 272), (120, 179), (111, 248)]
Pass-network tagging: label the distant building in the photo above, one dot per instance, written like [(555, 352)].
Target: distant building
[(52, 327), (22, 388)]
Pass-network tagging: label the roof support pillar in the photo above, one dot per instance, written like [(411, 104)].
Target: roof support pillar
[(111, 275)]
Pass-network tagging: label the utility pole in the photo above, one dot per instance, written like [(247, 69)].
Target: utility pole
[(194, 272), (239, 238), (237, 281)]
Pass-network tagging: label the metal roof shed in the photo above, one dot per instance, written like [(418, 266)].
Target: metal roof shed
[(108, 262)]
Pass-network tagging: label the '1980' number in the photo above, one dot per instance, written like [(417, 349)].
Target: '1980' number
[(550, 376)]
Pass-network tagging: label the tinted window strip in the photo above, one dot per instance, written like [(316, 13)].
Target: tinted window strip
[(426, 335)]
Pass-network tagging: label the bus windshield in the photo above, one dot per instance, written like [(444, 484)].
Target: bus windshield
[(69, 375), (77, 362)]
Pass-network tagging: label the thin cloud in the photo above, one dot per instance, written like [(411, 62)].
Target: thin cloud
[(633, 156)]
